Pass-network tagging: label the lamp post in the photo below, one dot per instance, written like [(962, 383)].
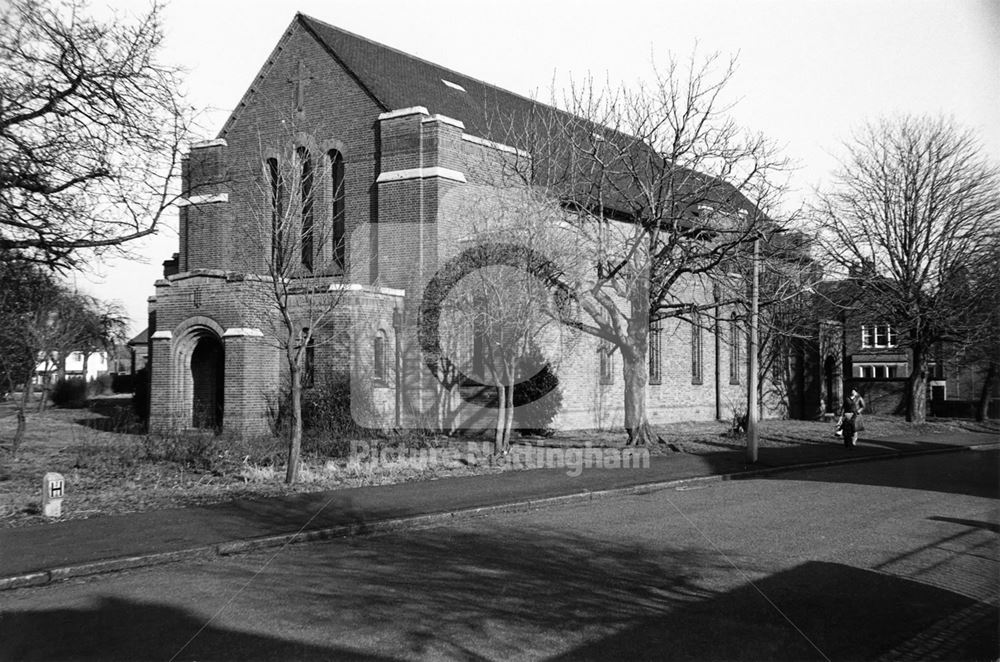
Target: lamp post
[(753, 434)]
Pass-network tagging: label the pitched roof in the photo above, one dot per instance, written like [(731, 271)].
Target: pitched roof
[(399, 80), (141, 338)]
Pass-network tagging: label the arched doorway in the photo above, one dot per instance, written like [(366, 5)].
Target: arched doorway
[(207, 382)]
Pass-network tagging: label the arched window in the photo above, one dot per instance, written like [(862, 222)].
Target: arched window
[(306, 195), (337, 198), (275, 192)]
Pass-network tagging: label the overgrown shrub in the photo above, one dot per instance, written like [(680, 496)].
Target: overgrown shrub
[(538, 399), (328, 423), (140, 394), (69, 393), (205, 451)]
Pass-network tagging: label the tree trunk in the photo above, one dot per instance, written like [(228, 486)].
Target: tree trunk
[(442, 396), (634, 370), (295, 440), (916, 395), (509, 416), (23, 407), (983, 407), (47, 380), (501, 421)]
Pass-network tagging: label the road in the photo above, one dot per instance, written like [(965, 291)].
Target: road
[(894, 559)]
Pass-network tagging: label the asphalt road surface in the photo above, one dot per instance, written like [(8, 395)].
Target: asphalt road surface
[(887, 560)]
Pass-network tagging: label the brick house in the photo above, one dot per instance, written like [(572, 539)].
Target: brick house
[(392, 147)]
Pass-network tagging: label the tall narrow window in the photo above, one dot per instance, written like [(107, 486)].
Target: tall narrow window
[(381, 370), (306, 195), (734, 351), (696, 352), (309, 361), (607, 375), (337, 204), (478, 351), (655, 352), (274, 179)]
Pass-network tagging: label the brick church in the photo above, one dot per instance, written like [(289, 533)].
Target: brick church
[(384, 142)]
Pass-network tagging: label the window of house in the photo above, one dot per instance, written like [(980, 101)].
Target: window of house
[(274, 180), (655, 353), (878, 335), (309, 361), (735, 347), (337, 197), (306, 195), (878, 370), (381, 369), (696, 352), (607, 367)]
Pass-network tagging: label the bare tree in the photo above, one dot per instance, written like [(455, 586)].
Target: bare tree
[(43, 321), (788, 272), (68, 322), (910, 214), (24, 314), (504, 294), (662, 188), (91, 126), (982, 348), (293, 259)]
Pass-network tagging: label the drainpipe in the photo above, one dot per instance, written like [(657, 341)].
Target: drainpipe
[(753, 432), (397, 325), (718, 345)]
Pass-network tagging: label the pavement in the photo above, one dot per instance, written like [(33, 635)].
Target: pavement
[(39, 555)]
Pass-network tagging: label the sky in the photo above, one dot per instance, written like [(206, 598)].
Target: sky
[(808, 70)]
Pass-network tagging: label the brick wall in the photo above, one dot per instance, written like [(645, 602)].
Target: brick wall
[(399, 232)]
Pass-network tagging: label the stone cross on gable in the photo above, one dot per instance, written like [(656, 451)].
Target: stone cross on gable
[(301, 79)]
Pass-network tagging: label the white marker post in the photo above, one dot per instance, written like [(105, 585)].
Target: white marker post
[(53, 489)]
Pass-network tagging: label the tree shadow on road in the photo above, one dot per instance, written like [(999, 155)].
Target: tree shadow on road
[(980, 476), (814, 611), (536, 592), (971, 473), (512, 592), (121, 629)]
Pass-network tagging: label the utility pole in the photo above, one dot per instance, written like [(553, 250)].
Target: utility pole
[(752, 407)]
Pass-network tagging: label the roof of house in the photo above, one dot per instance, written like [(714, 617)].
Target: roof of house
[(141, 339)]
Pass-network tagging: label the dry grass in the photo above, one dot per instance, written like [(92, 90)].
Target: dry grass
[(110, 469), (111, 472)]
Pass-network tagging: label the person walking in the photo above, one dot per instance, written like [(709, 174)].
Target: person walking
[(853, 423)]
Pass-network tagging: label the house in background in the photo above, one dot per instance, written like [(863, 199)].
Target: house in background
[(875, 360), (138, 351), (77, 364)]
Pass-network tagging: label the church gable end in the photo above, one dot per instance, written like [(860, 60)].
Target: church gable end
[(303, 104)]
